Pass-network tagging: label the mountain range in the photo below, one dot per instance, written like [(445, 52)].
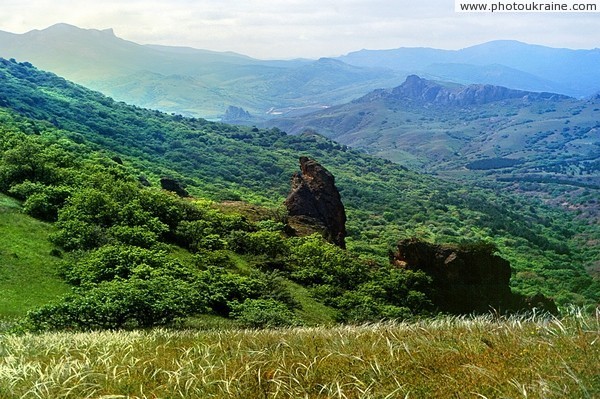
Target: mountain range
[(503, 62), (205, 83), (189, 81)]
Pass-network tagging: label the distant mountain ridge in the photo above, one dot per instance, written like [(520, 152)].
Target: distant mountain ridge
[(504, 62), (421, 91), (189, 81)]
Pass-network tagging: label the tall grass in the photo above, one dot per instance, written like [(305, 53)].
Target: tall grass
[(483, 357)]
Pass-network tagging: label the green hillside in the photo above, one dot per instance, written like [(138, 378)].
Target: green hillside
[(28, 262), (79, 158)]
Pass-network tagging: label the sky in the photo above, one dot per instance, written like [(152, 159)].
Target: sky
[(288, 29)]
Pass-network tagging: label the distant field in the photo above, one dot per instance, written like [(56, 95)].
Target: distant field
[(28, 272), (443, 358)]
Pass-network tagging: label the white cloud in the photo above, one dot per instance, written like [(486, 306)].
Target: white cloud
[(301, 28)]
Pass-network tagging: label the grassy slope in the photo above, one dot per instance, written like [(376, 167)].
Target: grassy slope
[(444, 358), (28, 273), (29, 279)]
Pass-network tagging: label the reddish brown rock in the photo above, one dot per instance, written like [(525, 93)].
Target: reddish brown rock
[(315, 204)]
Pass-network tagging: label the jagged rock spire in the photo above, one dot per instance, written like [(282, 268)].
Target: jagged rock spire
[(314, 201)]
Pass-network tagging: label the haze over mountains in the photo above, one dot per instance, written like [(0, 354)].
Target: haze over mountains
[(504, 62), (205, 83), (189, 81)]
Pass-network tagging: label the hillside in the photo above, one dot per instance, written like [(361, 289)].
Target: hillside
[(93, 165), (29, 264), (540, 143)]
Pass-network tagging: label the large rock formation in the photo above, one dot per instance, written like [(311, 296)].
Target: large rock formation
[(314, 204), (466, 279), (235, 114)]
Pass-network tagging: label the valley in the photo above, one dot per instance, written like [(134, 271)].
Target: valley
[(534, 143), (352, 99)]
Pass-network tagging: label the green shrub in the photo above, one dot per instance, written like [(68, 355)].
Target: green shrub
[(117, 304), (263, 313), (318, 262), (358, 307), (138, 236), (121, 261), (263, 242), (42, 202)]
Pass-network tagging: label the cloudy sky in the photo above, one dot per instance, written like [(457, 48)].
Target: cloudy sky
[(302, 28)]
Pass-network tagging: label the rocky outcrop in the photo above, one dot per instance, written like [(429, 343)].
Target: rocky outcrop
[(420, 91), (314, 203), (470, 279), (236, 114), (174, 186)]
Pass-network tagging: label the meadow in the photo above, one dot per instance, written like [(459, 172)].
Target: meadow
[(449, 357)]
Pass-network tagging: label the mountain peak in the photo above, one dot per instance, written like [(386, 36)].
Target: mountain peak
[(68, 29), (61, 26)]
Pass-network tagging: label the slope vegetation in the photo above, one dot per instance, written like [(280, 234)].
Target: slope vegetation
[(85, 160)]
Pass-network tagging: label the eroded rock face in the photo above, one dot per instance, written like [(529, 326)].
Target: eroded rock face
[(315, 204), (465, 280), (236, 114), (470, 279)]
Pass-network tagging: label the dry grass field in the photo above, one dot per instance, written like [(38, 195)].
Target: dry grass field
[(483, 357)]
